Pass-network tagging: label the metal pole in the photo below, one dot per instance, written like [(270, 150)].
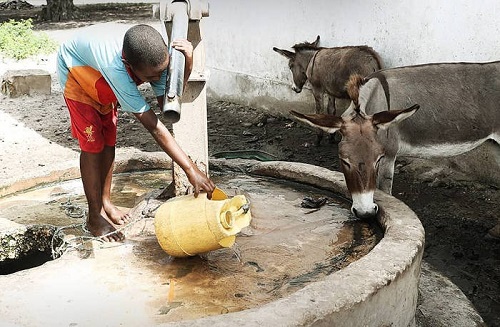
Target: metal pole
[(175, 83)]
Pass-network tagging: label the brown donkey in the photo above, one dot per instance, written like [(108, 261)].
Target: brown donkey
[(328, 70), (459, 110)]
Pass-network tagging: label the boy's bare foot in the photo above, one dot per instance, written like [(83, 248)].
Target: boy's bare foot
[(100, 227), (115, 215)]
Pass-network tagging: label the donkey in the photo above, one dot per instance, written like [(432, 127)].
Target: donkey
[(328, 70), (459, 110)]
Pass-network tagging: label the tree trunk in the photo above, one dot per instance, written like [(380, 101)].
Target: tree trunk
[(59, 10)]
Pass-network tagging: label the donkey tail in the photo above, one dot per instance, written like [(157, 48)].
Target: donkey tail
[(353, 84)]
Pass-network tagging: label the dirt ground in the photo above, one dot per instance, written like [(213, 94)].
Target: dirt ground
[(456, 212)]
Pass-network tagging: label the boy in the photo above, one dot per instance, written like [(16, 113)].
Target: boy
[(97, 70)]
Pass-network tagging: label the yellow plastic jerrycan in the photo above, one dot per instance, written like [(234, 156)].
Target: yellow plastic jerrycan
[(186, 226)]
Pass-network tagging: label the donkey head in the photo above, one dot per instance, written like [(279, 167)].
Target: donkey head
[(360, 151), (298, 61)]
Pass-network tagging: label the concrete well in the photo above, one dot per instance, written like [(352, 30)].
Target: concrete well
[(380, 289)]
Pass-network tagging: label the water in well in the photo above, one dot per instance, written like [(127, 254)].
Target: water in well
[(288, 244)]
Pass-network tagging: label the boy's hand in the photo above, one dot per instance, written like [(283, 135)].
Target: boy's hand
[(200, 181), (184, 46)]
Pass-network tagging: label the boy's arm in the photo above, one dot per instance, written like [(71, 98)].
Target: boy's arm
[(167, 142)]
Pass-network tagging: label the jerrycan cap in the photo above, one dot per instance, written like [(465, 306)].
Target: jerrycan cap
[(218, 194)]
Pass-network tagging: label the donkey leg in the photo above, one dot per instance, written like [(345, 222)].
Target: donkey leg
[(318, 98), (332, 110)]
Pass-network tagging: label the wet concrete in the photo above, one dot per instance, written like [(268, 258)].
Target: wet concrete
[(134, 283)]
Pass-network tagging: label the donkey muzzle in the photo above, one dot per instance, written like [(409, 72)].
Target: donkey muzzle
[(365, 214)]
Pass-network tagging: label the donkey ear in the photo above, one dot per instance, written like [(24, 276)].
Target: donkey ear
[(286, 53), (327, 123), (316, 42), (385, 118)]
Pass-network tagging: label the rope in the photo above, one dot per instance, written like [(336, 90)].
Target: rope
[(78, 243), (313, 61), (73, 210)]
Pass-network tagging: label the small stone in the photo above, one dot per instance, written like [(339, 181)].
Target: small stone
[(26, 82)]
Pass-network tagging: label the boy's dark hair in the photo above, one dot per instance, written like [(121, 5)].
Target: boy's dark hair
[(144, 45)]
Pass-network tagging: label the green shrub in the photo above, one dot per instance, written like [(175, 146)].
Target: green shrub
[(19, 41)]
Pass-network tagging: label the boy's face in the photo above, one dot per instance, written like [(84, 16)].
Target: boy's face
[(149, 74)]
